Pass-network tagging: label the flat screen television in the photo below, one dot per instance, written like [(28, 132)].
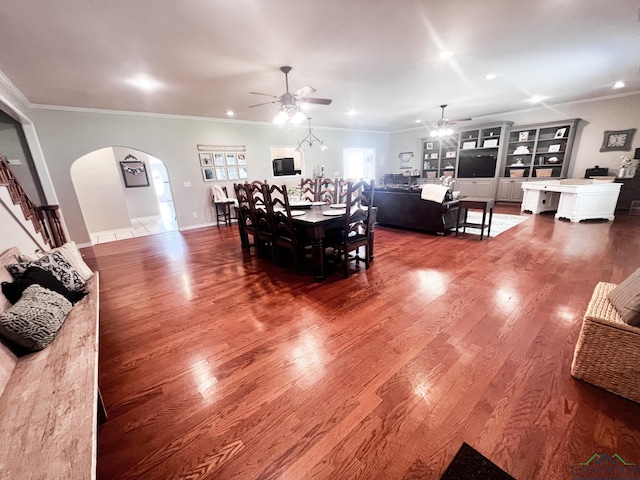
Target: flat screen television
[(477, 166), (284, 166)]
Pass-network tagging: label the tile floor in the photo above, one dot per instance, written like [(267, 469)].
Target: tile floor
[(141, 227)]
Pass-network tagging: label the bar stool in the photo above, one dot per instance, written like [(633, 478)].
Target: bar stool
[(222, 204), (475, 203)]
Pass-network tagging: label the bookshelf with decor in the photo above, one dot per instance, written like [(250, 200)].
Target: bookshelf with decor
[(439, 156), (478, 159), (533, 153)]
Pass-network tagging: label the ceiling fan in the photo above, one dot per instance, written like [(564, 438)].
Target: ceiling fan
[(289, 108), (442, 127)]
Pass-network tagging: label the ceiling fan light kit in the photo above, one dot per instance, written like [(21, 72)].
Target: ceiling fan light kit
[(442, 129)]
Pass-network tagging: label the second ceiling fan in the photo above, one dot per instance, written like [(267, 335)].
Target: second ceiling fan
[(443, 126)]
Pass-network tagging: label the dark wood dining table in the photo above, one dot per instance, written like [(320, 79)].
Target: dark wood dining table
[(316, 224)]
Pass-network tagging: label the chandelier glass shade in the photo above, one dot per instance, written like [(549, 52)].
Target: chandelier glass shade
[(289, 113)]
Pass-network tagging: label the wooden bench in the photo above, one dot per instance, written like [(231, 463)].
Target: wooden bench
[(608, 350), (49, 399)]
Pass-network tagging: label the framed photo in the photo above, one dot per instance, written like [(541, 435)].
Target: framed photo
[(231, 159), (617, 140), (523, 136), (426, 156), (243, 172), (560, 132), (134, 173), (221, 173), (554, 148), (490, 143), (232, 173), (450, 154), (218, 159), (206, 159), (434, 156), (207, 175), (429, 146), (242, 159), (468, 145)]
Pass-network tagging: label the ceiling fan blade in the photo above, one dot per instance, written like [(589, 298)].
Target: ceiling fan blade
[(263, 103), (304, 91), (458, 120), (265, 94), (319, 101)]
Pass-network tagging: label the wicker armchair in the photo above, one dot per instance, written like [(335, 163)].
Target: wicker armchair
[(608, 351)]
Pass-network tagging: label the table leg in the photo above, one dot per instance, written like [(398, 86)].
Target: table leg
[(490, 218), (317, 252), (484, 217)]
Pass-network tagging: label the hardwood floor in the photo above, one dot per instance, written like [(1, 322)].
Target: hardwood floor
[(215, 364)]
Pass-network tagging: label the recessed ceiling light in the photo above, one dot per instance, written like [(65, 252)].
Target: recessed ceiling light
[(490, 76), (230, 113), (351, 112), (418, 121), (145, 83), (446, 54), (536, 99), (619, 84)]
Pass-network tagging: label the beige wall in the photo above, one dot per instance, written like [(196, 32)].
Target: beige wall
[(141, 201), (97, 184)]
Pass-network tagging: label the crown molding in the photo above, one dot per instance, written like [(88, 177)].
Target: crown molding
[(4, 80)]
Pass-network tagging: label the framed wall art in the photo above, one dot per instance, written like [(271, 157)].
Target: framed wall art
[(620, 140), (208, 175), (221, 173), (205, 159), (134, 172), (218, 159)]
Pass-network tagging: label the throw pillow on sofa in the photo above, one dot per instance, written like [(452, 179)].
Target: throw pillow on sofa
[(625, 298), (34, 275), (70, 252), (57, 265), (35, 319)]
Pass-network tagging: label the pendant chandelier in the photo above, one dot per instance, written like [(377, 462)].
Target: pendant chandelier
[(310, 139)]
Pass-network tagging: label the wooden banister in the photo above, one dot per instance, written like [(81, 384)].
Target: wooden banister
[(46, 219)]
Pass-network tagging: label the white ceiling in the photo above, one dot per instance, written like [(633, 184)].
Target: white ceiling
[(377, 57)]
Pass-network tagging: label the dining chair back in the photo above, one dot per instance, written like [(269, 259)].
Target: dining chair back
[(309, 189), (264, 232), (327, 190), (246, 220), (284, 234), (358, 224)]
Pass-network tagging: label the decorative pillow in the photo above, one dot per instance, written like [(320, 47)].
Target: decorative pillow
[(35, 319), (34, 275), (70, 252), (625, 298), (57, 265)]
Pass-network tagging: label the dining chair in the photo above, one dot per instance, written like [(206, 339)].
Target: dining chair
[(264, 232), (341, 189), (327, 190), (246, 220), (284, 234), (358, 225), (309, 189)]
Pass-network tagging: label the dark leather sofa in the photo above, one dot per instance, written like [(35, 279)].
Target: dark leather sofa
[(402, 207)]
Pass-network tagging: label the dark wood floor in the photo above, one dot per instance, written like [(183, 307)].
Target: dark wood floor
[(214, 364)]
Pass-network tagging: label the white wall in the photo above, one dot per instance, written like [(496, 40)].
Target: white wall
[(96, 179), (12, 233), (68, 135), (141, 201), (618, 113)]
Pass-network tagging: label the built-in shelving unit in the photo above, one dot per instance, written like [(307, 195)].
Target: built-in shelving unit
[(535, 152), (439, 157)]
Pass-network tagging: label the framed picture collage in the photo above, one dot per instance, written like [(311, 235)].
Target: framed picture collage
[(223, 163)]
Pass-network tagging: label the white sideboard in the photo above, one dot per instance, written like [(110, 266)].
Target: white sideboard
[(572, 200)]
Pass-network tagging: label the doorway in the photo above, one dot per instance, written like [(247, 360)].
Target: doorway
[(359, 163), (111, 208)]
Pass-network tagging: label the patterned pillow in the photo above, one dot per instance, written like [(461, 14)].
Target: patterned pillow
[(57, 265), (34, 275), (625, 298), (35, 319), (70, 252)]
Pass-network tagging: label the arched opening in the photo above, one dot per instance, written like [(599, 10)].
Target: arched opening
[(123, 193)]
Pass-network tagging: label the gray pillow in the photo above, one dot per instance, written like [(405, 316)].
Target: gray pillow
[(35, 319), (625, 298), (57, 265)]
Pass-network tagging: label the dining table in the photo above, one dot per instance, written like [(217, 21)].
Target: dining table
[(316, 221)]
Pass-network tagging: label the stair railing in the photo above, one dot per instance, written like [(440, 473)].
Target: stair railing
[(46, 219)]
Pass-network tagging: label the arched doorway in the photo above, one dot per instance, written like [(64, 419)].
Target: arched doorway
[(123, 193)]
